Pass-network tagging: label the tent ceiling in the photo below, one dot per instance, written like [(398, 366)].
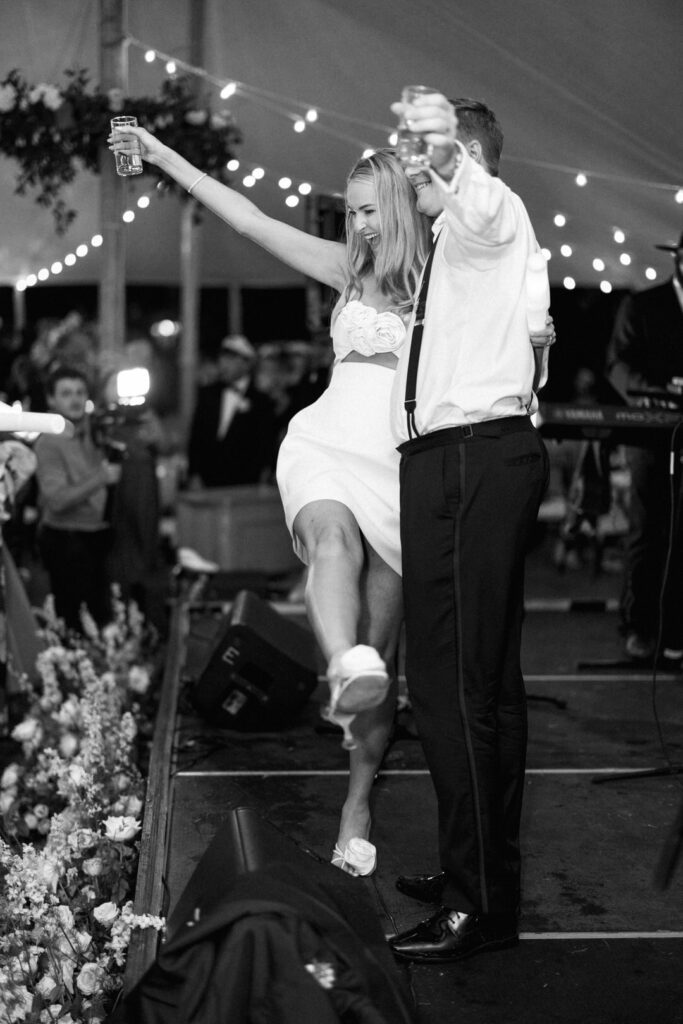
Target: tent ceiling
[(589, 86)]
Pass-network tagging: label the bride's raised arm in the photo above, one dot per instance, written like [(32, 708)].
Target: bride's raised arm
[(316, 257)]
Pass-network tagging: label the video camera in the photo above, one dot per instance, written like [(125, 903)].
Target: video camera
[(132, 387)]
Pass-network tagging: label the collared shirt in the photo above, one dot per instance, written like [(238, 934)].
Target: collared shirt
[(232, 400), (72, 491), (476, 361)]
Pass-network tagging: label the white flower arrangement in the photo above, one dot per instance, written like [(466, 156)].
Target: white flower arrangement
[(71, 822)]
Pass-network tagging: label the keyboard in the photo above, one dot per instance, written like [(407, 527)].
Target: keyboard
[(620, 424)]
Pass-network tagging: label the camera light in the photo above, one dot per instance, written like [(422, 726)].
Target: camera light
[(132, 385)]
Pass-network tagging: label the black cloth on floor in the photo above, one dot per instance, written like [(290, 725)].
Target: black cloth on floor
[(289, 943)]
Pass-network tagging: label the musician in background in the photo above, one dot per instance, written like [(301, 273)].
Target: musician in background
[(646, 352)]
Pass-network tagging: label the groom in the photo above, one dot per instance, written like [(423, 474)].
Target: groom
[(473, 471)]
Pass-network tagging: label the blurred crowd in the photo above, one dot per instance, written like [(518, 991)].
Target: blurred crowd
[(95, 510)]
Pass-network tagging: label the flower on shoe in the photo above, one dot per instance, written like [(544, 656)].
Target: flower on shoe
[(121, 829)]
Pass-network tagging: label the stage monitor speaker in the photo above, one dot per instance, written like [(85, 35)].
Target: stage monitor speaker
[(261, 671)]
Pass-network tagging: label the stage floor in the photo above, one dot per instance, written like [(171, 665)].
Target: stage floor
[(600, 941)]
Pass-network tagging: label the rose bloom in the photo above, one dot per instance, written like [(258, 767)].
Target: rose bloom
[(47, 987), (10, 776), (121, 829), (26, 730), (41, 810), (138, 679), (90, 979), (68, 745), (106, 913), (30, 820), (93, 866)]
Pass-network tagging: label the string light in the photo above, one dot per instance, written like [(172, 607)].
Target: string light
[(285, 182), (569, 283), (559, 220), (274, 101), (619, 236), (292, 200), (547, 253), (249, 181), (258, 173), (598, 264), (605, 287), (625, 259), (305, 188), (566, 250), (233, 165), (650, 273), (71, 258)]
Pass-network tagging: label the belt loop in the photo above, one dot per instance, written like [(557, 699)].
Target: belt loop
[(467, 431)]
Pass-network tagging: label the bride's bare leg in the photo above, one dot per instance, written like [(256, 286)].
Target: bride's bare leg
[(333, 544), (380, 626)]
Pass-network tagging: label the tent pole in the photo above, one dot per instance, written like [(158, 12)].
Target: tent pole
[(112, 289), (190, 239)]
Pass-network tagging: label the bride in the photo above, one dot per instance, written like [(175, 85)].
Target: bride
[(337, 466)]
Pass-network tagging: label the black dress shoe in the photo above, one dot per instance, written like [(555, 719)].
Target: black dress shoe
[(425, 888), (443, 938)]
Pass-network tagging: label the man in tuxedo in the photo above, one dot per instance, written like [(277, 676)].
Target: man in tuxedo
[(233, 430), (646, 352)]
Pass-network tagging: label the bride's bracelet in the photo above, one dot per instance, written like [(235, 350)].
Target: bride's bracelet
[(196, 182)]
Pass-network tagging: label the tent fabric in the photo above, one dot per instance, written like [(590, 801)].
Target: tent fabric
[(585, 86)]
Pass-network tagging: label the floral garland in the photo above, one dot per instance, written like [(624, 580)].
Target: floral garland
[(48, 129), (71, 817)]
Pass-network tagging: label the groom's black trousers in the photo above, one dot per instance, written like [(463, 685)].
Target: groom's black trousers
[(468, 507)]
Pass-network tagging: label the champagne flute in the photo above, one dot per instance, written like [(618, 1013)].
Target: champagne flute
[(411, 148)]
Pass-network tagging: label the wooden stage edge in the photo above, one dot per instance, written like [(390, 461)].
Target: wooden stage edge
[(149, 888)]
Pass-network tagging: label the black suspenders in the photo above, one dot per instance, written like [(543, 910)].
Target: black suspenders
[(415, 345)]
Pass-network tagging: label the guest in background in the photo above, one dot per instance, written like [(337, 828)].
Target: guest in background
[(646, 352), (73, 478), (233, 430), (134, 561)]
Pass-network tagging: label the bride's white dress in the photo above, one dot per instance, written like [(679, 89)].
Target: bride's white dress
[(341, 447)]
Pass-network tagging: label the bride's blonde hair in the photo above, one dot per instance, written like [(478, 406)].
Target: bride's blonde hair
[(404, 233)]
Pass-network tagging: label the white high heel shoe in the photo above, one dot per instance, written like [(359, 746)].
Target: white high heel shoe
[(358, 854), (358, 680)]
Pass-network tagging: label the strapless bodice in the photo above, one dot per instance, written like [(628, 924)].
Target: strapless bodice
[(360, 328)]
